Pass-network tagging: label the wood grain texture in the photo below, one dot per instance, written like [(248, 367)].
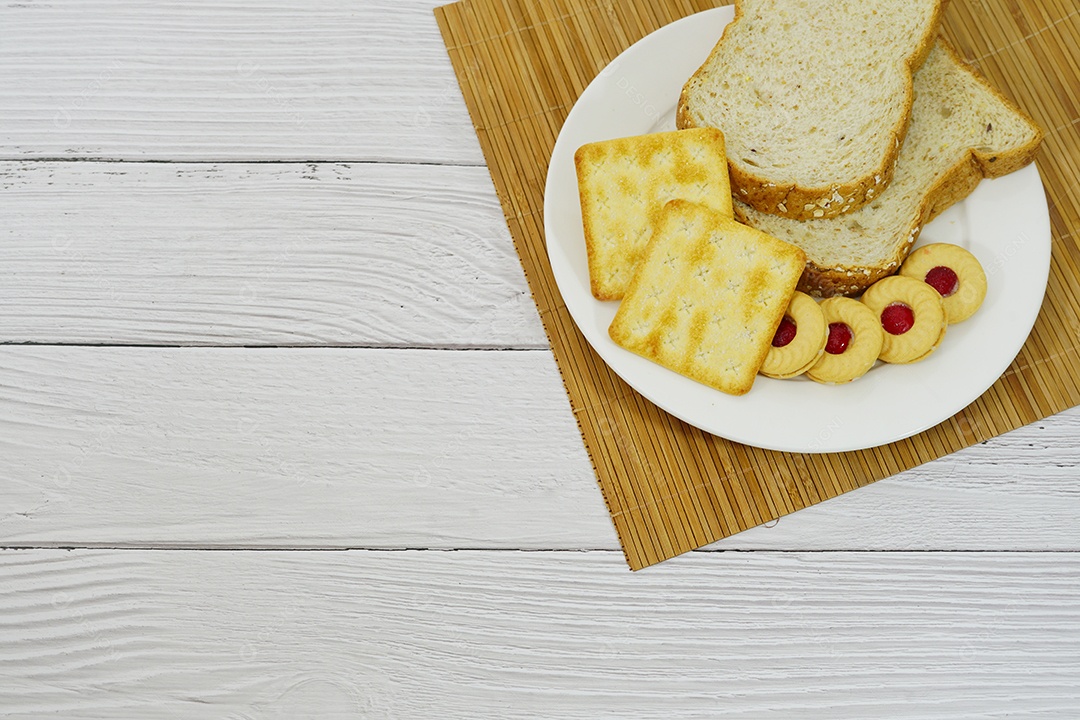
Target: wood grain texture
[(258, 254), (260, 79), (106, 634), (669, 487), (340, 448)]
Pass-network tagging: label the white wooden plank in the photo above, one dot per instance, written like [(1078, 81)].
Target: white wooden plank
[(258, 79), (137, 634), (338, 448), (259, 254)]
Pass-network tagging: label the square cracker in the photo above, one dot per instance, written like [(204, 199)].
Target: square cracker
[(624, 184), (708, 297)]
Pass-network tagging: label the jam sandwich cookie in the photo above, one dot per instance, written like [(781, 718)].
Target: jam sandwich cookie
[(799, 341), (954, 273), (912, 315), (854, 344)]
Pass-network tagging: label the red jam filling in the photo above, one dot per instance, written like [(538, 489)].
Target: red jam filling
[(897, 319), (785, 333), (839, 338), (944, 280)]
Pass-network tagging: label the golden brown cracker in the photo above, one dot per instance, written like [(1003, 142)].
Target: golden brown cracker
[(623, 184), (708, 297)]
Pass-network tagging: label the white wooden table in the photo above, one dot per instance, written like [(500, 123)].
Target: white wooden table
[(280, 434)]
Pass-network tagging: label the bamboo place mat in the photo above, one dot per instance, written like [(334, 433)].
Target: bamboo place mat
[(670, 487)]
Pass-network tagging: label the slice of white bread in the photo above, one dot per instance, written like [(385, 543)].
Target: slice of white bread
[(708, 297), (962, 130), (624, 183), (813, 97)]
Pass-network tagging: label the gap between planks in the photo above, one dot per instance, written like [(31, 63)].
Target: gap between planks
[(240, 161), (534, 551), (204, 345)]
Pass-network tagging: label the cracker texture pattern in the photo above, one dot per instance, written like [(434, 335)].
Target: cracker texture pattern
[(708, 297), (624, 184)]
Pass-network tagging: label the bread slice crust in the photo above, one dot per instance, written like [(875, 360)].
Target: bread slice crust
[(953, 184), (822, 200)]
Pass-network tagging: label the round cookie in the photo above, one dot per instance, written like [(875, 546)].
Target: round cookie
[(911, 313), (954, 272), (855, 340), (799, 341)]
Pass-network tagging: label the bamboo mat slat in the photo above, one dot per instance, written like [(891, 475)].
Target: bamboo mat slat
[(669, 487)]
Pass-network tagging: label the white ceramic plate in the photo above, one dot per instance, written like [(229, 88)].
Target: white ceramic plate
[(1005, 223)]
